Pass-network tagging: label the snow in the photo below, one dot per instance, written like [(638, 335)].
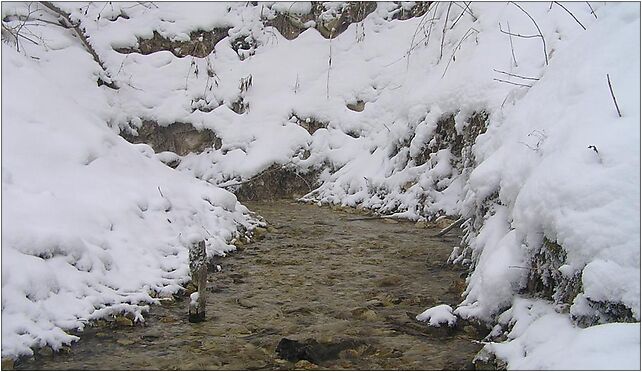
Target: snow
[(532, 346), (438, 315), (92, 225), (555, 163)]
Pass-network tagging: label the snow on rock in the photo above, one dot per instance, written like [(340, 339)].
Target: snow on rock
[(438, 315)]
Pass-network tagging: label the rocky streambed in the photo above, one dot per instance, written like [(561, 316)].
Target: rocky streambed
[(321, 289)]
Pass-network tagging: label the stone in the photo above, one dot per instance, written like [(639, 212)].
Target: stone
[(124, 321), (364, 313), (7, 364), (259, 232), (125, 341), (390, 221), (375, 302), (166, 301), (311, 350), (421, 224), (349, 354), (46, 351), (356, 106), (389, 281), (305, 365)]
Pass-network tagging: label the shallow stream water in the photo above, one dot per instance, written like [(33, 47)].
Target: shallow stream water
[(354, 286)]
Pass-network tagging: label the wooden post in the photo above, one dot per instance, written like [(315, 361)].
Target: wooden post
[(198, 268)]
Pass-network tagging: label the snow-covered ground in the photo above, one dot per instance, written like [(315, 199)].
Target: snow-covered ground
[(555, 165)]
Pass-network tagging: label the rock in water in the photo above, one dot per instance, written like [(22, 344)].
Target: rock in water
[(312, 350)]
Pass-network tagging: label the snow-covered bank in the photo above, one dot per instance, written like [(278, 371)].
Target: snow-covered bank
[(445, 113), (92, 225)]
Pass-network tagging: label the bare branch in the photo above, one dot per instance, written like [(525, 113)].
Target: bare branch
[(516, 35), (510, 82), (467, 9), (461, 14), (538, 30), (572, 15), (452, 57), (592, 11), (510, 39), (608, 78), (443, 34), (515, 75)]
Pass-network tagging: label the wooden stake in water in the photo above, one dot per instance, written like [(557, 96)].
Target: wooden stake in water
[(198, 268)]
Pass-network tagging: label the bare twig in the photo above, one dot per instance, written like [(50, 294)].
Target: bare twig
[(608, 78), (538, 30), (412, 41), (460, 15), (592, 11), (452, 57), (515, 75), (572, 15), (510, 82), (510, 39), (466, 8), (517, 35), (443, 33), (327, 82)]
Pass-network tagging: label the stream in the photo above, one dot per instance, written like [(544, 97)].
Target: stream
[(351, 288)]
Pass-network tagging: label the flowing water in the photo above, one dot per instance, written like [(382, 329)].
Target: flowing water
[(353, 286)]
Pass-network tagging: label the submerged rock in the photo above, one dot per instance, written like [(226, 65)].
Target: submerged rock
[(312, 350)]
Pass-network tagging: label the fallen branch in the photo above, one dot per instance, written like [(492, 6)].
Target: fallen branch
[(608, 78), (450, 227), (67, 23)]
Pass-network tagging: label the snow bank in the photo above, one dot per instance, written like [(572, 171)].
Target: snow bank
[(92, 225), (542, 339)]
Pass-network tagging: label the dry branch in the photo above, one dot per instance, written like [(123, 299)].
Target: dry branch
[(510, 82), (460, 15), (510, 39), (608, 78), (572, 15), (592, 11), (538, 30), (443, 33), (66, 22), (515, 75)]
